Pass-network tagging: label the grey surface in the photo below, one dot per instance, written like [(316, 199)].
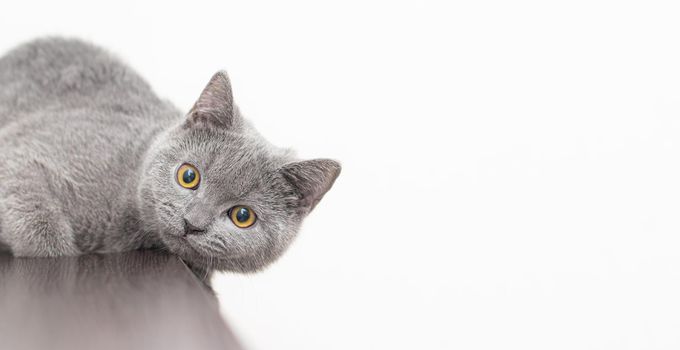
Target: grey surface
[(136, 300)]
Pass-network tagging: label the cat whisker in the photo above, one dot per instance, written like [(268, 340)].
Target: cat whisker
[(209, 249)]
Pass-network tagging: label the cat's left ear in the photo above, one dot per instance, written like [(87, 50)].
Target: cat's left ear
[(311, 179), (215, 106)]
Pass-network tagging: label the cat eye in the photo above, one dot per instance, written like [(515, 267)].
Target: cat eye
[(188, 176), (242, 216)]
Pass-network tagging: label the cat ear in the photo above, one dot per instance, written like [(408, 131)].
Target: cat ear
[(215, 106), (311, 179)]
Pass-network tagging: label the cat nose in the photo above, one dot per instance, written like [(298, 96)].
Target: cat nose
[(190, 229)]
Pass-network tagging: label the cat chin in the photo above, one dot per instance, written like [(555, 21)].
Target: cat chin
[(241, 264)]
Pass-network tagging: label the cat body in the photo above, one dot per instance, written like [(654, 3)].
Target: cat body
[(89, 158)]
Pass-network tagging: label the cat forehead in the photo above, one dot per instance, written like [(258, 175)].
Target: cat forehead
[(239, 173), (231, 154), (210, 140), (238, 163)]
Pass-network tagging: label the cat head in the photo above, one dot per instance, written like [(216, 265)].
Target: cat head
[(220, 196)]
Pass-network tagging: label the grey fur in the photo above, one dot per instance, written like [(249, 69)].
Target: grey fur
[(89, 154)]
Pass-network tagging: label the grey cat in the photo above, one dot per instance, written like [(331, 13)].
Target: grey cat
[(91, 160)]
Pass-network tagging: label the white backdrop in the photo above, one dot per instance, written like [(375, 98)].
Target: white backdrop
[(510, 168)]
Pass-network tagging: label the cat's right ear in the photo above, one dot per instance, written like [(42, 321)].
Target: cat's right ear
[(311, 179), (215, 106)]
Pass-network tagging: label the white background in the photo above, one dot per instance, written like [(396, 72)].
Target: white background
[(510, 168)]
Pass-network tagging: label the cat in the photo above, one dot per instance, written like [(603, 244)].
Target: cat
[(92, 161)]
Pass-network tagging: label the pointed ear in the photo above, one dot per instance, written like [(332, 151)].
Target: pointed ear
[(311, 179), (215, 106)]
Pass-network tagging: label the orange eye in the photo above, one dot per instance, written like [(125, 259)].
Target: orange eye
[(242, 216), (188, 176)]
